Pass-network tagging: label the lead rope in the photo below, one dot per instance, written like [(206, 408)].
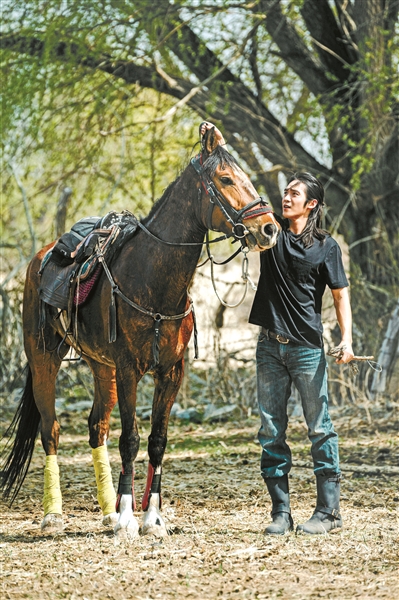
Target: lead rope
[(245, 277), (338, 352)]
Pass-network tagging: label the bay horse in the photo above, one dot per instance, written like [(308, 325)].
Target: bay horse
[(149, 280)]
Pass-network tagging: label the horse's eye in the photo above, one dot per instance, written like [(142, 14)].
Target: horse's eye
[(226, 181)]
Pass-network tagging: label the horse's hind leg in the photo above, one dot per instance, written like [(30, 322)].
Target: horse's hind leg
[(44, 369), (105, 398), (166, 388), (44, 365)]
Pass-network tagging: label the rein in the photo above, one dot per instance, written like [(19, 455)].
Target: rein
[(244, 274), (233, 216), (158, 239), (239, 231)]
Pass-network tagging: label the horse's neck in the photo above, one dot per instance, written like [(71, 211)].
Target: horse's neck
[(177, 219), (167, 270)]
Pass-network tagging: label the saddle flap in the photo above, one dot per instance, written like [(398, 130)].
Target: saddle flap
[(55, 284)]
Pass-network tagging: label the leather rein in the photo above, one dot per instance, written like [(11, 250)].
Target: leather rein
[(233, 216), (239, 231)]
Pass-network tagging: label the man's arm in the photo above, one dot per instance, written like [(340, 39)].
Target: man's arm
[(344, 318)]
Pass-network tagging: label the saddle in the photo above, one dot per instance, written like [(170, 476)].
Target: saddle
[(71, 268)]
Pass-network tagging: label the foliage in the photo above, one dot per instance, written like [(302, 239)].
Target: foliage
[(106, 97)]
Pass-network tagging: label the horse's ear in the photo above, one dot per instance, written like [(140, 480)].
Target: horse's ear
[(210, 141)]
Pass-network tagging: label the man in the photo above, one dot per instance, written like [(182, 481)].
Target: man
[(287, 307)]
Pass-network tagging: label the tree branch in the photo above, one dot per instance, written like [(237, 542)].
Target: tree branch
[(293, 50), (277, 144), (328, 38), (234, 106), (27, 210)]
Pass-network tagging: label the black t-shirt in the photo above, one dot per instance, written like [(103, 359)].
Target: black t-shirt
[(291, 286)]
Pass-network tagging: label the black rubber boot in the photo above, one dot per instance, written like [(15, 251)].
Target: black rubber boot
[(326, 517), (281, 513)]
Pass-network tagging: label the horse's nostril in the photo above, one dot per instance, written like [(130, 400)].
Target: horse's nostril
[(269, 229)]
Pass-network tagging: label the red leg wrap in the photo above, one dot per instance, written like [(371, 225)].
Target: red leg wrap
[(153, 486)]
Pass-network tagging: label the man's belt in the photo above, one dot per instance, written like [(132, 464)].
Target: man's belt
[(275, 336)]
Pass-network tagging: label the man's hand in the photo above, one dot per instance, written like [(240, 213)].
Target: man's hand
[(205, 125), (346, 354)]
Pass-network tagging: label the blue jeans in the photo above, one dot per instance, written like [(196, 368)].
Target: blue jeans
[(278, 366)]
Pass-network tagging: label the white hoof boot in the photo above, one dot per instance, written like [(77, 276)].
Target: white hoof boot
[(110, 520), (127, 526), (153, 523), (52, 524)]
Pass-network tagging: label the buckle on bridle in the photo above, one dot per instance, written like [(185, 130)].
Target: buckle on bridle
[(254, 209)]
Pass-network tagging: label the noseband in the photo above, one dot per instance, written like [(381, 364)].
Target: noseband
[(233, 216)]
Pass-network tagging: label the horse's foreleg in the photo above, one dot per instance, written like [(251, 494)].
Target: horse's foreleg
[(165, 393), (105, 398), (129, 442)]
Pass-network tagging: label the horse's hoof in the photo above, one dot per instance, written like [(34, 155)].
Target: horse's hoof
[(52, 524), (153, 523), (110, 520), (128, 530)]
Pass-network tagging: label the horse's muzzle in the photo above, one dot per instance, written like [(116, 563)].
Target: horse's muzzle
[(262, 238)]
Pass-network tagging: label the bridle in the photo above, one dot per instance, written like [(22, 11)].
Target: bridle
[(235, 217)]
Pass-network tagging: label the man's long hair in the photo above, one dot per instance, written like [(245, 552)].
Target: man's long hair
[(314, 190)]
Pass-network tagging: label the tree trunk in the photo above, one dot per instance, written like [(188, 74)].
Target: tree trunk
[(388, 380), (62, 207)]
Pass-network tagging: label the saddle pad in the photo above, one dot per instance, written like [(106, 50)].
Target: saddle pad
[(82, 290)]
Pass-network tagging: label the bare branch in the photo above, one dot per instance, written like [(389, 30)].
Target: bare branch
[(27, 210), (293, 49), (328, 37)]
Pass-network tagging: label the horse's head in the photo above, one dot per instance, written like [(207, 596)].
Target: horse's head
[(230, 201)]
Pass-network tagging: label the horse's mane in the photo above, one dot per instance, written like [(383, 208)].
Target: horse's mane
[(161, 201), (219, 156)]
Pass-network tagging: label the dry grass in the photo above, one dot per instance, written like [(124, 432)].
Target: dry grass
[(216, 507)]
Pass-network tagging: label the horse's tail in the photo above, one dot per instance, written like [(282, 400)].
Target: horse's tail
[(25, 426)]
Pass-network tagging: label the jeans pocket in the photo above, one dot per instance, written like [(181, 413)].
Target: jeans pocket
[(261, 338)]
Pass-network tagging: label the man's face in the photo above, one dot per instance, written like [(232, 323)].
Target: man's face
[(294, 201)]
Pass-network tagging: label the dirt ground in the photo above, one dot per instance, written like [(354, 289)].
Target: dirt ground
[(216, 509)]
